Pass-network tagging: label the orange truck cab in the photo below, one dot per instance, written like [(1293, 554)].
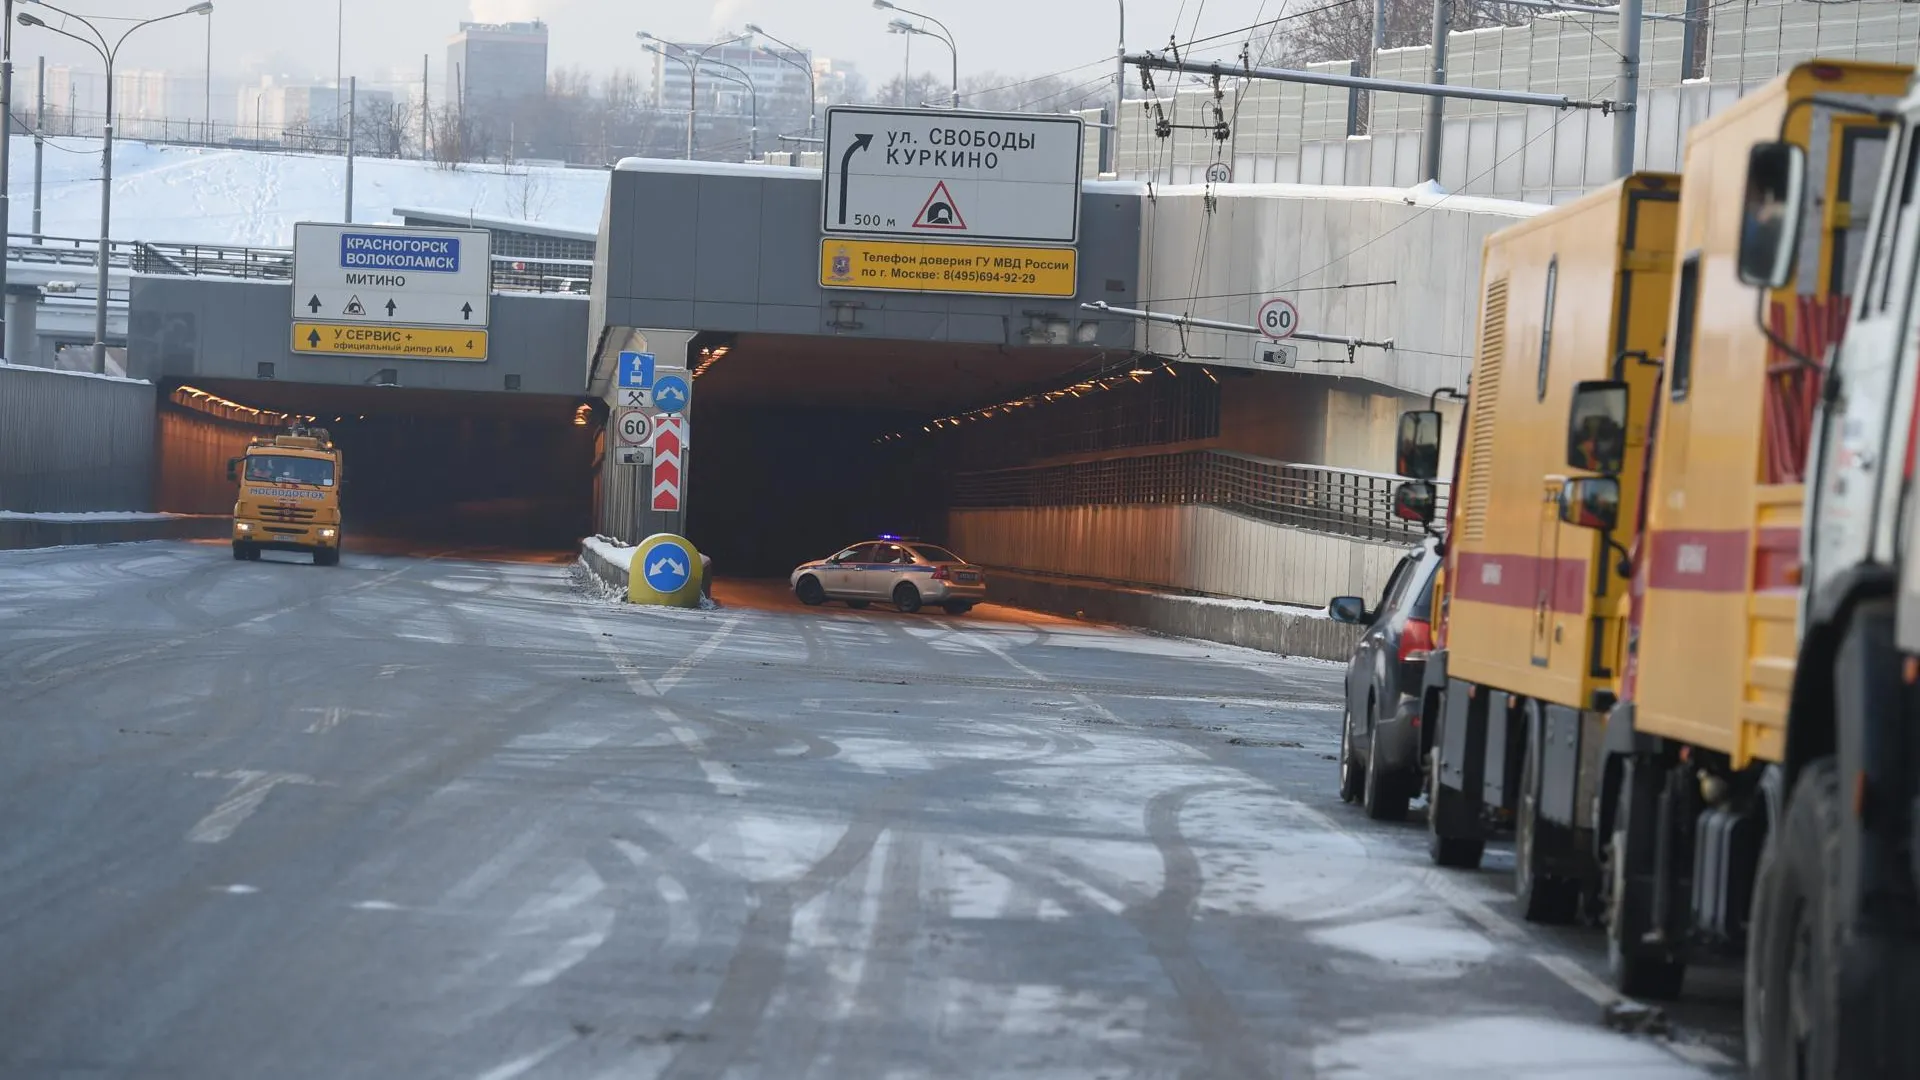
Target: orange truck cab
[(289, 496)]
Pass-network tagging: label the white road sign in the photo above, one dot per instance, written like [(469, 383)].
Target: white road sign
[(1278, 319), (632, 397), (633, 455), (633, 427), (940, 174), (384, 274)]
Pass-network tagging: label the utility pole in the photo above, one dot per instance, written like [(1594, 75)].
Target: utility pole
[(353, 101), (1110, 162), (6, 161), (39, 147), (1625, 120), (426, 109), (1437, 106)]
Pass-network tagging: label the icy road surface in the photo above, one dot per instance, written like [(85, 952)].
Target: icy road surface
[(423, 818)]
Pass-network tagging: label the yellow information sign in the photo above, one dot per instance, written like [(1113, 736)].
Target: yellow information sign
[(344, 339), (921, 266)]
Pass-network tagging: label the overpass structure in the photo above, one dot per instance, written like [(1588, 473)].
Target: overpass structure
[(1038, 431)]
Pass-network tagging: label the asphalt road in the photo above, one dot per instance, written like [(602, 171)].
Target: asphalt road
[(424, 818)]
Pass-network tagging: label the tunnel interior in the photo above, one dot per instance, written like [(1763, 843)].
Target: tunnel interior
[(803, 445), (422, 470)]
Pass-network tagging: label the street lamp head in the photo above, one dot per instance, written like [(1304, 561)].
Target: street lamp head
[(902, 26), (644, 36), (201, 9), (882, 5), (30, 20), (753, 28)]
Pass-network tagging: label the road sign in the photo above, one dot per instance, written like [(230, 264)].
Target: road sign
[(679, 430), (1278, 319), (979, 269), (665, 565), (1269, 354), (672, 392), (633, 455), (1219, 173), (636, 370), (942, 173), (668, 442), (634, 398), (391, 275), (633, 427), (411, 342)]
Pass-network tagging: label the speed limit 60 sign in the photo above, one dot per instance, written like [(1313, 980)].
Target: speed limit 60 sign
[(633, 427), (1278, 319)]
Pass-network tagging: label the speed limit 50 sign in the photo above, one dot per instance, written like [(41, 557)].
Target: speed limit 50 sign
[(633, 427), (1278, 319)]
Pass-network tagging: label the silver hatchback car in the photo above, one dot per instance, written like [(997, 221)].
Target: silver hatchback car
[(905, 572)]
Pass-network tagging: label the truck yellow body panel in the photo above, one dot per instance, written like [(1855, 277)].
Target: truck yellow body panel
[(1717, 609), (289, 496), (1536, 604)]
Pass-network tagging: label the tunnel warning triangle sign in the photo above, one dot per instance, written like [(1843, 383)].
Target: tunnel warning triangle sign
[(940, 212), (354, 307)]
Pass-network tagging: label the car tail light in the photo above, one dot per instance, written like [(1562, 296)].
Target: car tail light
[(1416, 640), (940, 573)]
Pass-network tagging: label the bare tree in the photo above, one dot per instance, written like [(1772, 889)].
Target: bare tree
[(386, 129), (919, 90), (1048, 93)]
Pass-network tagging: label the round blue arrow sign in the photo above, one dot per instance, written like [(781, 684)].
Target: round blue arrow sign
[(666, 566), (670, 393)]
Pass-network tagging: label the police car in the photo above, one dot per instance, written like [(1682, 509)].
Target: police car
[(901, 570)]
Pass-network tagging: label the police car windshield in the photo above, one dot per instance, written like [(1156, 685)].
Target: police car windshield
[(936, 554), (278, 469)]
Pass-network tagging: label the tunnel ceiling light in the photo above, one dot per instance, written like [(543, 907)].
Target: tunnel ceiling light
[(1130, 377)]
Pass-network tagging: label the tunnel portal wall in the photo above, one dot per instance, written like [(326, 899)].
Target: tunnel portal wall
[(1199, 549), (73, 442)]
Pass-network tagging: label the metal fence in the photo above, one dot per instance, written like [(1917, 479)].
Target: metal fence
[(74, 442), (1339, 501), (510, 273)]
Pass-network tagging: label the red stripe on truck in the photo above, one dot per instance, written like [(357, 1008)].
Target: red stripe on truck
[(1524, 581)]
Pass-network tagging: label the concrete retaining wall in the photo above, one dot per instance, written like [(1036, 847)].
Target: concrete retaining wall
[(73, 442), (18, 533), (1269, 629)]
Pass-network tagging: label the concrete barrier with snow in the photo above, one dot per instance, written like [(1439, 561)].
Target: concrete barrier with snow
[(68, 530)]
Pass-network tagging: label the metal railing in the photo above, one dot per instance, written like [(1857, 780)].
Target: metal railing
[(1341, 501), (510, 273)]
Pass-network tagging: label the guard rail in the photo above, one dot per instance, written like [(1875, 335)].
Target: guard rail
[(1341, 501)]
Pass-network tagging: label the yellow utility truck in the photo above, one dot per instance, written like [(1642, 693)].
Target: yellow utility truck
[(1833, 959), (1659, 752), (289, 498), (1573, 307)]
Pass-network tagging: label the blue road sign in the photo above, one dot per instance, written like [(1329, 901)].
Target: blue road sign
[(666, 566), (636, 370), (670, 394)]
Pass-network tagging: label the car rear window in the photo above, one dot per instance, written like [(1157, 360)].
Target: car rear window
[(936, 554), (1423, 602)]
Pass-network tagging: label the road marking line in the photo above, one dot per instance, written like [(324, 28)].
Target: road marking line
[(679, 671), (330, 717), (994, 648), (248, 793)]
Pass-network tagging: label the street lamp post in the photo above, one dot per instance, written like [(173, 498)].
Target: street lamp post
[(945, 36), (108, 52), (813, 91), (653, 45), (753, 92), (693, 74), (1112, 163)]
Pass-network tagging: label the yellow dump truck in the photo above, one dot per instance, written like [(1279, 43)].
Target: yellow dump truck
[(1659, 747), (289, 498)]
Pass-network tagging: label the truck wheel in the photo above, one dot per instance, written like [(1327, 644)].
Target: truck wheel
[(1385, 797), (1792, 967), (1637, 969), (1543, 898), (326, 557), (239, 551), (1458, 852), (906, 597), (1352, 775)]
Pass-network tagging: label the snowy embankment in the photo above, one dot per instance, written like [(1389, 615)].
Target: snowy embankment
[(207, 195)]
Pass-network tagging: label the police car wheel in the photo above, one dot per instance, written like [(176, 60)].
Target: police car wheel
[(906, 597), (810, 592)]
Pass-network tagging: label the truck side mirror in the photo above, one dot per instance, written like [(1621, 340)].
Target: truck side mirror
[(1591, 502), (1597, 427), (1770, 217), (1414, 501), (1416, 452), (233, 470)]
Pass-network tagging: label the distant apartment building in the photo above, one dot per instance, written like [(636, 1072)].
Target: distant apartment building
[(496, 63), (271, 109)]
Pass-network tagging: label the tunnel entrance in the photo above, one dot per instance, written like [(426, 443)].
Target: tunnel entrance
[(802, 445), (423, 471)]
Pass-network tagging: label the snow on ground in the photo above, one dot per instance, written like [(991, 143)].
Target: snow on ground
[(611, 550), (88, 515), (189, 194)]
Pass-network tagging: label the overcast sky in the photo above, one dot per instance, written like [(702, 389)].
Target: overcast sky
[(296, 37)]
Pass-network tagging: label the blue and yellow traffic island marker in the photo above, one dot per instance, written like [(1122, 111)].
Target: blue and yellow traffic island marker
[(666, 571)]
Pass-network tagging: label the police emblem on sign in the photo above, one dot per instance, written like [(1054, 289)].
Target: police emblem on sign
[(842, 265)]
